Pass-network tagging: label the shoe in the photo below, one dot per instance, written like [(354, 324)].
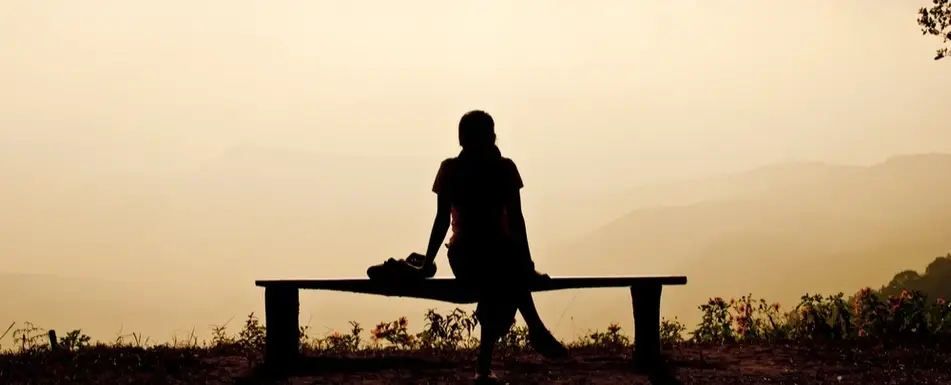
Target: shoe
[(413, 267), (546, 344), (486, 379)]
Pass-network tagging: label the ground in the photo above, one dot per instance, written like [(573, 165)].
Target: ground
[(830, 363)]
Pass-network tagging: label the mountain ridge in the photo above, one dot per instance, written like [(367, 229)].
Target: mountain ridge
[(855, 226)]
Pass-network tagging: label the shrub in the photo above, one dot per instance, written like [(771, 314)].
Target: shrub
[(818, 317), (75, 339), (338, 343), (868, 314), (395, 333), (716, 325), (671, 332), (515, 341), (448, 332)]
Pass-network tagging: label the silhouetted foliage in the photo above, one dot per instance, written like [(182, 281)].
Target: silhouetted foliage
[(934, 283), (75, 339), (867, 314), (937, 21)]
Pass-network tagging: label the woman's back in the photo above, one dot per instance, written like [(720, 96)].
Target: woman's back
[(479, 189)]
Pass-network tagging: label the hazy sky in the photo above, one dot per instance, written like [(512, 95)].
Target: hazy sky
[(648, 89)]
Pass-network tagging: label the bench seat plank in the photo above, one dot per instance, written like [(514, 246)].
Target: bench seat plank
[(450, 290)]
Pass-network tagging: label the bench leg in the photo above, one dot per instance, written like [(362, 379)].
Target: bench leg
[(282, 323), (646, 302)]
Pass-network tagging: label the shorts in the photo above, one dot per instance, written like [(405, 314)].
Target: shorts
[(495, 271)]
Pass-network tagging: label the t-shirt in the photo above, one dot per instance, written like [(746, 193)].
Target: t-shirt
[(478, 192)]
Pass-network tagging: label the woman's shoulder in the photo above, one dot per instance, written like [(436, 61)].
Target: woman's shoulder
[(447, 166), (448, 162), (453, 161)]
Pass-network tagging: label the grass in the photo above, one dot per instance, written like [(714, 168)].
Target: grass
[(865, 319)]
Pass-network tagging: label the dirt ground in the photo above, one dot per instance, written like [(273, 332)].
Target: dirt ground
[(841, 363)]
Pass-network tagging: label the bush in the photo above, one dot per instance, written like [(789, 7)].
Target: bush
[(448, 332), (866, 315), (671, 332)]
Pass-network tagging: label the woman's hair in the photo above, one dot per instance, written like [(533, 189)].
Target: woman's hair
[(476, 131)]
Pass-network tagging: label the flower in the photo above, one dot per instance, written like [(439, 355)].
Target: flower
[(941, 301)]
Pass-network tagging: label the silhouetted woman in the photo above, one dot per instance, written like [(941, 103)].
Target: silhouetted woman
[(478, 194)]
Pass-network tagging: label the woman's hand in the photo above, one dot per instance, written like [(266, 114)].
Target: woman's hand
[(425, 266)]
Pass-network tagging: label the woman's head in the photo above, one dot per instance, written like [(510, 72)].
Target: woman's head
[(476, 130)]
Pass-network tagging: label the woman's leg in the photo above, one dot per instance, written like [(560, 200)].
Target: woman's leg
[(496, 315), (495, 318), (521, 270), (538, 334), (526, 306)]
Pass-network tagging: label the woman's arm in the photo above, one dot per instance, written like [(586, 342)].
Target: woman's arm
[(440, 227), (517, 222)]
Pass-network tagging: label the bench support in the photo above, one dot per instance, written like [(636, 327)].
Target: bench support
[(282, 323), (646, 302), (282, 308)]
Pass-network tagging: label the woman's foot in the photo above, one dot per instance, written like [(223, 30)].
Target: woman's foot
[(546, 344), (487, 378), (540, 275)]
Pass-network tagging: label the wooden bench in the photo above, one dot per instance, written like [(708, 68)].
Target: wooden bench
[(282, 307)]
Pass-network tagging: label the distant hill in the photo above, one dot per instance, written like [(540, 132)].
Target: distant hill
[(934, 281), (589, 215), (782, 231)]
